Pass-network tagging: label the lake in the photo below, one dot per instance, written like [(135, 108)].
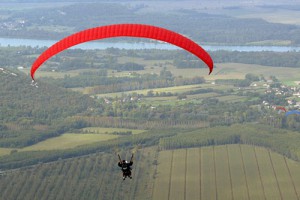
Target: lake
[(4, 42)]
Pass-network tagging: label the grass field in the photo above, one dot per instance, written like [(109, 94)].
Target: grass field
[(155, 101), (71, 140), (271, 43), (277, 14), (232, 98), (238, 71), (67, 141), (173, 100), (226, 172), (5, 151), (56, 74), (176, 89), (163, 175), (100, 130)]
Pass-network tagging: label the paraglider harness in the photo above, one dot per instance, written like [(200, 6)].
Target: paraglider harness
[(125, 167)]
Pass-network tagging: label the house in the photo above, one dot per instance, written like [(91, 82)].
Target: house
[(296, 94), (107, 101), (290, 102), (265, 103)]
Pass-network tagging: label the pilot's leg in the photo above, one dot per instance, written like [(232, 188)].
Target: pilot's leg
[(129, 174)]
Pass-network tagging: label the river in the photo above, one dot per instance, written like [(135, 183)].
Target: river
[(4, 42)]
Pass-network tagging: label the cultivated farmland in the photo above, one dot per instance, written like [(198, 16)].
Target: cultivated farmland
[(102, 130), (5, 151), (95, 176), (68, 140), (226, 172)]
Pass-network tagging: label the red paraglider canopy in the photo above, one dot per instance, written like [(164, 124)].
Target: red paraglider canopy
[(281, 108), (119, 30)]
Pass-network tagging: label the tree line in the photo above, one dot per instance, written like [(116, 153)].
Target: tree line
[(107, 84), (22, 159), (102, 60), (254, 134)]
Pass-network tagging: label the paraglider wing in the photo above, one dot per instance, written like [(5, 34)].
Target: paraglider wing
[(128, 30), (292, 112), (281, 108)]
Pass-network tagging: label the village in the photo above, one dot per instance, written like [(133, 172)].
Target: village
[(290, 93)]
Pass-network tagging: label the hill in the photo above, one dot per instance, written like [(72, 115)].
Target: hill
[(32, 112), (58, 22)]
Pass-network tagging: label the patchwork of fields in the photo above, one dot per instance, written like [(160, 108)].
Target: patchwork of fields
[(226, 172), (215, 172), (67, 141), (95, 176), (71, 140), (87, 136)]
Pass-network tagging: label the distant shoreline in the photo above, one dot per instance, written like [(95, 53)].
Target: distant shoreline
[(5, 42)]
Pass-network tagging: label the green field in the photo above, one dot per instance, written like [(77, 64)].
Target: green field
[(71, 140), (173, 100), (5, 151), (226, 172), (278, 14), (55, 74), (238, 71), (67, 141), (109, 130), (232, 98), (176, 89), (271, 43)]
